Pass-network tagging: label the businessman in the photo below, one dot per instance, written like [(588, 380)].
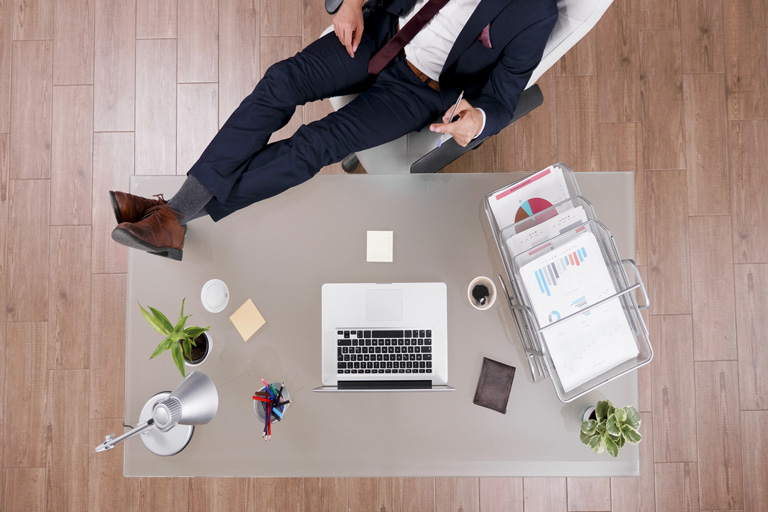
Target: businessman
[(408, 59)]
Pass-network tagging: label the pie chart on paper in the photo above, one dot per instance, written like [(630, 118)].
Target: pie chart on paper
[(531, 207)]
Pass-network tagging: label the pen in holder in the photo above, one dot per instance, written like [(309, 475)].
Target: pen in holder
[(270, 403)]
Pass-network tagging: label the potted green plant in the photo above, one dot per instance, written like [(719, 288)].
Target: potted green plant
[(191, 344), (609, 428)]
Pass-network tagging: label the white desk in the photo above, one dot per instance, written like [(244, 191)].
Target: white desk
[(279, 253)]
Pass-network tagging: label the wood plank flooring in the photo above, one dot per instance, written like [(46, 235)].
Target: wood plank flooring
[(93, 91)]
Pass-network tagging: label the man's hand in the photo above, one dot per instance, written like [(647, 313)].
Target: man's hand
[(465, 129), (348, 25)]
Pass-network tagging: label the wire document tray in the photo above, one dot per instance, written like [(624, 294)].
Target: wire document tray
[(573, 304)]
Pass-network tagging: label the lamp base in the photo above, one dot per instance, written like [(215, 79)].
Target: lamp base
[(164, 443)]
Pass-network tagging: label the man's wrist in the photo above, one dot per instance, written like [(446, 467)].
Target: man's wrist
[(482, 127)]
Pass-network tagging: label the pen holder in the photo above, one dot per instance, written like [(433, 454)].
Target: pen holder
[(260, 407)]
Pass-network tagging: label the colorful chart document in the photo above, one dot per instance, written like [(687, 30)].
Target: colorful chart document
[(529, 197), (564, 280)]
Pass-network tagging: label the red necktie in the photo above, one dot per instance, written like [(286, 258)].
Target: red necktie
[(404, 36)]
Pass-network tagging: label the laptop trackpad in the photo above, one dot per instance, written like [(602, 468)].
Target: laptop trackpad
[(384, 305)]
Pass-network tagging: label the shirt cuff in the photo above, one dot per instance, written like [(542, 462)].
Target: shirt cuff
[(482, 127)]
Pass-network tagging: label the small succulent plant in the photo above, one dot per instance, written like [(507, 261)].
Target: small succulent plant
[(612, 428)]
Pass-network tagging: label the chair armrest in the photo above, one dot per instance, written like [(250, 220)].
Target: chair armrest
[(331, 6), (440, 157)]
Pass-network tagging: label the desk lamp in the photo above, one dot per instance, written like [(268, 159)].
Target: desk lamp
[(167, 419)]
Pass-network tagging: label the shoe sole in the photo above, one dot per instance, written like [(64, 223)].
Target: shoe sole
[(115, 207), (124, 237)]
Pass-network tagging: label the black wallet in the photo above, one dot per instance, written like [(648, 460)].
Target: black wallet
[(494, 385)]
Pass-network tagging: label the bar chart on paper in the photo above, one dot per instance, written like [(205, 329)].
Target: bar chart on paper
[(547, 276)]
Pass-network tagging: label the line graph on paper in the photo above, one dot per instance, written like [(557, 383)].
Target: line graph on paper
[(582, 350)]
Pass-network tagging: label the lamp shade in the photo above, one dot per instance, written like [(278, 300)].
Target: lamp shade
[(194, 402)]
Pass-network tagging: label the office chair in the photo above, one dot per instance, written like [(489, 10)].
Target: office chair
[(417, 152)]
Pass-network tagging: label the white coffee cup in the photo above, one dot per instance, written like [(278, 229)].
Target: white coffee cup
[(481, 298), (215, 295)]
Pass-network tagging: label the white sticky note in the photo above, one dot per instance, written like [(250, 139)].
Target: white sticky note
[(380, 246)]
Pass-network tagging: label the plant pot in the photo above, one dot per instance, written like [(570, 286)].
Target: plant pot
[(201, 350), (588, 414)]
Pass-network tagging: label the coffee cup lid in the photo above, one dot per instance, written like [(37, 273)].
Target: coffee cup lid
[(215, 295)]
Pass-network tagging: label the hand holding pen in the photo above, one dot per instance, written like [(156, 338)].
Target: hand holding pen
[(468, 126), (450, 118)]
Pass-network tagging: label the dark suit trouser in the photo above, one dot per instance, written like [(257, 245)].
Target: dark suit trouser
[(239, 168)]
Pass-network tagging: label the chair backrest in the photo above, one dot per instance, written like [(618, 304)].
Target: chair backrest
[(575, 19)]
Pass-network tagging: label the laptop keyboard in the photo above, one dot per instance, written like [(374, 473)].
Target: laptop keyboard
[(362, 351)]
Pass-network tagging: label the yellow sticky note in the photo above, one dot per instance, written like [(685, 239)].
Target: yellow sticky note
[(247, 319)]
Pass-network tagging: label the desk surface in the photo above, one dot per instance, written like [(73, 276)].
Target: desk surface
[(279, 253)]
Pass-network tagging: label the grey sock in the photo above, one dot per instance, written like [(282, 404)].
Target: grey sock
[(201, 213), (190, 200)]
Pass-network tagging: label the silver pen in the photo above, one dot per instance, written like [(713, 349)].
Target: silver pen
[(450, 119)]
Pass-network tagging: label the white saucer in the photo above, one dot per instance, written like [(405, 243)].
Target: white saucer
[(215, 295)]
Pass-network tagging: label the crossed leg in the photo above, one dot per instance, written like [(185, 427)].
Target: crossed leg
[(394, 105), (323, 69), (239, 168)]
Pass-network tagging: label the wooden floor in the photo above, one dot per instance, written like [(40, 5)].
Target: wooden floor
[(92, 91)]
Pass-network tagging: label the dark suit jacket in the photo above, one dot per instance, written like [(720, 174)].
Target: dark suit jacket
[(491, 78)]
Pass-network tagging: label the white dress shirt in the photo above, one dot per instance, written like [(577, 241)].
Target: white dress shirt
[(429, 49)]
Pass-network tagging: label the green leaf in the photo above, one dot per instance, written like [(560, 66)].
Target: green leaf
[(584, 437), (186, 345), (620, 441), (600, 428), (621, 415), (178, 358), (611, 447), (181, 313), (588, 427), (602, 409), (611, 427), (162, 319), (597, 443), (631, 435), (633, 417), (177, 336), (151, 320), (194, 332), (182, 322), (162, 347)]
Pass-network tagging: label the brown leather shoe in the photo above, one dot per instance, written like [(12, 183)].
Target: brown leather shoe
[(131, 208), (158, 232)]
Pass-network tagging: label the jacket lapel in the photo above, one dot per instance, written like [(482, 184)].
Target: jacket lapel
[(485, 12)]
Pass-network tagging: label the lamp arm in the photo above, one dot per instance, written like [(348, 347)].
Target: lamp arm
[(110, 443)]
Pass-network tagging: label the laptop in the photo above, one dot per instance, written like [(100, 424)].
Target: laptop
[(384, 337)]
